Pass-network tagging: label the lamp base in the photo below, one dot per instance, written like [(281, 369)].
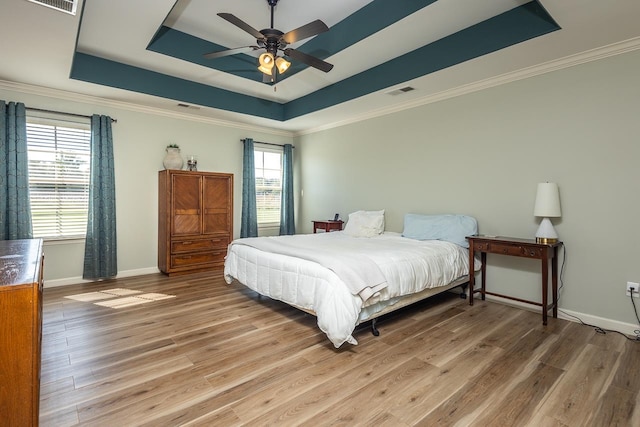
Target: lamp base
[(546, 240), (546, 233)]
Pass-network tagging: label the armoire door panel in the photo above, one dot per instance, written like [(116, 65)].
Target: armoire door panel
[(186, 192), (186, 204), (216, 203), (186, 224)]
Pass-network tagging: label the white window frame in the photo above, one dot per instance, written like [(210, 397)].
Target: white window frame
[(258, 150), (68, 219)]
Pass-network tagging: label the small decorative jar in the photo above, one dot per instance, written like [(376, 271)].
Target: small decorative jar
[(173, 159), (192, 163)]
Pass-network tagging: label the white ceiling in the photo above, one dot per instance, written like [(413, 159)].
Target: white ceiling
[(39, 44)]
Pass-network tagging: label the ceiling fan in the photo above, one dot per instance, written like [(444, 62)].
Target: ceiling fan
[(273, 41)]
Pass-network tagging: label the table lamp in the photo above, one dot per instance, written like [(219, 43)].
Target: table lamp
[(547, 206)]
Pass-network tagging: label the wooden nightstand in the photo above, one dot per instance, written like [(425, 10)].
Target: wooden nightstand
[(527, 248), (327, 225)]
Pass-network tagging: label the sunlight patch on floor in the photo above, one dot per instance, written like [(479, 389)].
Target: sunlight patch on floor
[(119, 298)]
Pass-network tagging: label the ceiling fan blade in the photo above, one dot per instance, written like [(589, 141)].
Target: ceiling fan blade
[(214, 55), (306, 31), (312, 61), (242, 25)]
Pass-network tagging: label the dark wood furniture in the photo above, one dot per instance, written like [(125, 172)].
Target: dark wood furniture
[(327, 225), (527, 248), (195, 222), (21, 269)]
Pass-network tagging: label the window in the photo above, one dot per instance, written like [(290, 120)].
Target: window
[(59, 160), (268, 165)]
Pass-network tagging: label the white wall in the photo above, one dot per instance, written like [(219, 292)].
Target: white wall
[(140, 139), (483, 154)]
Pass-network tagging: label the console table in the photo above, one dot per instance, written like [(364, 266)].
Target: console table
[(527, 248)]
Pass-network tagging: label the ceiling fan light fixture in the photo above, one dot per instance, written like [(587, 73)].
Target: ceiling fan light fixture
[(266, 60), (266, 63), (265, 70), (282, 64)]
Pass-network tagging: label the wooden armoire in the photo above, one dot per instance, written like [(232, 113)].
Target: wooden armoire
[(195, 223), (21, 271)]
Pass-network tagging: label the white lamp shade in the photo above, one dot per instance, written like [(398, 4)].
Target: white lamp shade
[(547, 200)]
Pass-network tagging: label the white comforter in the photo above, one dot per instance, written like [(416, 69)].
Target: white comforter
[(408, 266)]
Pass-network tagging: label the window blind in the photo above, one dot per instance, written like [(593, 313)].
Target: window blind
[(268, 168), (59, 166)]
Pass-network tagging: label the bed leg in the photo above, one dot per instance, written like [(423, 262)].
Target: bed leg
[(374, 330), (463, 293)]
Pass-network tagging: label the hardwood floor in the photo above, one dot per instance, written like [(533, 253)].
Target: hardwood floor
[(220, 355)]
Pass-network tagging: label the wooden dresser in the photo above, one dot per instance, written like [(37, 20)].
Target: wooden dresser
[(21, 269), (195, 223)]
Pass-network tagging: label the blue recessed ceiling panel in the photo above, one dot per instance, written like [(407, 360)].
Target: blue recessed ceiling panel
[(515, 26), (512, 27), (115, 74), (370, 19)]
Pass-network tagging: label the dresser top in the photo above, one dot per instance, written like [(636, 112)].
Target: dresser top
[(20, 261)]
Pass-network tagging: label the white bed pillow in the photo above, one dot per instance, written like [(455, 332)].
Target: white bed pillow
[(365, 223)]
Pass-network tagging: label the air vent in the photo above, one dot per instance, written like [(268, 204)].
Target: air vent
[(67, 6), (401, 90), (192, 107)]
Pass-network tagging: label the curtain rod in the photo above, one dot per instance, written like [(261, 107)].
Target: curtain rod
[(63, 113), (268, 143)]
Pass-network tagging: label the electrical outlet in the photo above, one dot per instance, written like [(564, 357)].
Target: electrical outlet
[(633, 287)]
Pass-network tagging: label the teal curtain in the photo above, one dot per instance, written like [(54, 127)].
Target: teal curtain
[(287, 220), (249, 222), (100, 260), (15, 208)]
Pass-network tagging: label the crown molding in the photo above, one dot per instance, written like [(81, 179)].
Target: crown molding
[(525, 73), (130, 106)]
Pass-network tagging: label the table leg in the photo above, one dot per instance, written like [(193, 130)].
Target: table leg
[(554, 281), (483, 274), (472, 273), (545, 288)]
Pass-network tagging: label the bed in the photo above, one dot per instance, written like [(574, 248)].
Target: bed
[(349, 277)]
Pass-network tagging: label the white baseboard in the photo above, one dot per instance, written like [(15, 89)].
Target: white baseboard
[(77, 280), (604, 323)]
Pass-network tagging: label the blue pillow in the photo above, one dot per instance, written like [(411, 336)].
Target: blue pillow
[(451, 228)]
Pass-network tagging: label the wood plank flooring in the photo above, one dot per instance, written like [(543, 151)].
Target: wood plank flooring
[(220, 355)]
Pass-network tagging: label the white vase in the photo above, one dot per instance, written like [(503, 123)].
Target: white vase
[(173, 159)]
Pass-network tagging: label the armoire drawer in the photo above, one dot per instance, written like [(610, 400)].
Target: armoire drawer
[(179, 246), (197, 258)]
